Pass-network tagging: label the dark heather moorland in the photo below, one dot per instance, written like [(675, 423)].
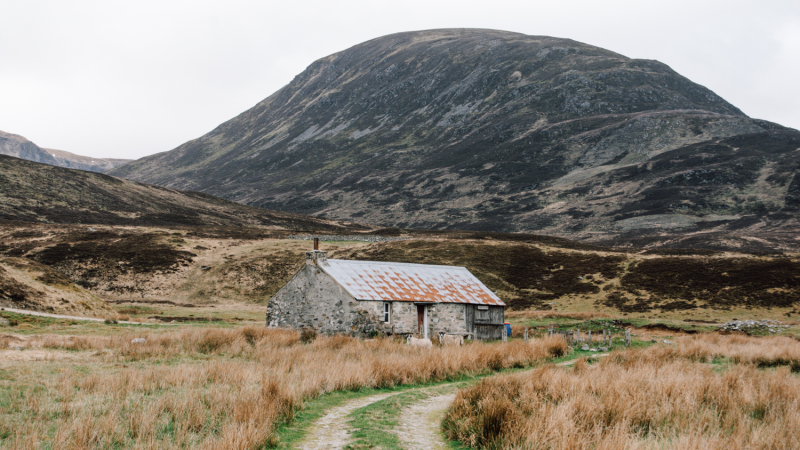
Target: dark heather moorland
[(497, 131)]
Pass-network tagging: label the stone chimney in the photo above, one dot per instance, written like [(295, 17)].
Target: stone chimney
[(317, 257)]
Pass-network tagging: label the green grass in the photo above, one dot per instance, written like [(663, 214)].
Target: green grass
[(373, 424), (25, 322)]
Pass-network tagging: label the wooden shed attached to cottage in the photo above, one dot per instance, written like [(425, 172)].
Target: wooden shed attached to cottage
[(365, 298)]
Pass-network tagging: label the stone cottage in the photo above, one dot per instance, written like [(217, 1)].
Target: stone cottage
[(366, 298)]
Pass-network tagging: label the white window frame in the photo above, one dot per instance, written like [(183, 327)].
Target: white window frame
[(387, 312)]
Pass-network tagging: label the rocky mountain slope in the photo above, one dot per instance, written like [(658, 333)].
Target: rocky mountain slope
[(73, 161), (34, 192), (491, 130), (18, 146)]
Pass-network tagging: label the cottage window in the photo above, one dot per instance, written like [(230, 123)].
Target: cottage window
[(387, 312), (482, 313)]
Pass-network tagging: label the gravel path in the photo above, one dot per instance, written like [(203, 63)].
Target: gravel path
[(331, 431), (419, 423)]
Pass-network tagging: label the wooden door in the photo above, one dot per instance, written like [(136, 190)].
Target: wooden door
[(420, 321), (469, 315)]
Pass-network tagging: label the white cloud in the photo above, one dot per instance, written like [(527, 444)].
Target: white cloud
[(114, 79)]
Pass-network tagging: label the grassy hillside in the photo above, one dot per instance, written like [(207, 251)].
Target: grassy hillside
[(207, 267), (525, 275), (27, 284), (34, 192)]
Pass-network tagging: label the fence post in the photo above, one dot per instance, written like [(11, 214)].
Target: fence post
[(577, 335), (627, 338), (526, 333), (589, 337), (505, 334)]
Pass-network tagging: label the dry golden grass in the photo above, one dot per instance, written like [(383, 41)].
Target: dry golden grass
[(218, 388), (652, 398), (761, 351)]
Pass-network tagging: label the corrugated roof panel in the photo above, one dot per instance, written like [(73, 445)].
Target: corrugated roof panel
[(372, 280)]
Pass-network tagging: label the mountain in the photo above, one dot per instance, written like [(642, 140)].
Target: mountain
[(35, 192), (18, 146), (492, 130), (73, 161)]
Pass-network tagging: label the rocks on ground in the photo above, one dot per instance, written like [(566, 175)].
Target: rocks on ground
[(750, 326)]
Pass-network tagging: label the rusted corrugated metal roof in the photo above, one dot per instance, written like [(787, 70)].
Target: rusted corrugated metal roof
[(371, 280)]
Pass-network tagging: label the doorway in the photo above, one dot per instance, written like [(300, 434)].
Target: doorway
[(422, 321)]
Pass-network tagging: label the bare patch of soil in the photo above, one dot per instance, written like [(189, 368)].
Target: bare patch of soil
[(180, 319), (155, 302), (419, 423), (662, 328)]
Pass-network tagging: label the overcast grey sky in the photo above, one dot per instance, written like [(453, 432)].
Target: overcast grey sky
[(128, 79)]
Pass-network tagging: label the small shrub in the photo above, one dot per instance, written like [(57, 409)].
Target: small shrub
[(111, 321), (213, 340), (308, 335), (254, 334)]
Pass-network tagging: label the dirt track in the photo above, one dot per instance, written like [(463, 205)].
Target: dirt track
[(331, 431), (419, 423), (418, 428)]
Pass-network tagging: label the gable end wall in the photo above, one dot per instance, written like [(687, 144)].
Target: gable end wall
[(312, 299)]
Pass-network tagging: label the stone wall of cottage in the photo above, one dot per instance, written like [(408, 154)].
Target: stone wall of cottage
[(404, 317), (312, 299), (447, 317)]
